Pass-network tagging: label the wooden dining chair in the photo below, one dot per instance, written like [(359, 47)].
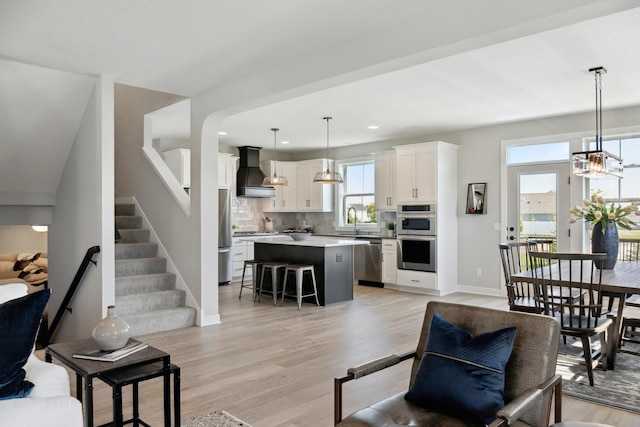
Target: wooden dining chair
[(515, 259), (556, 273), (630, 251)]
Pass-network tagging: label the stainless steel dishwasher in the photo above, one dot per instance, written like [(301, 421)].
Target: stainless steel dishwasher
[(367, 262)]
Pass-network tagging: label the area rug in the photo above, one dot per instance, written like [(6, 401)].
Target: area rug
[(619, 388), (215, 419)]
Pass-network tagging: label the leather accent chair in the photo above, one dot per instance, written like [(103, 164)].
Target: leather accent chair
[(530, 379)]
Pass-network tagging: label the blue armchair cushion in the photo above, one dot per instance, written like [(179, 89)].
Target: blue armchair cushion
[(460, 374), (19, 322)]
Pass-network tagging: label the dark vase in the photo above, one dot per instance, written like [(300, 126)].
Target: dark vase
[(607, 242)]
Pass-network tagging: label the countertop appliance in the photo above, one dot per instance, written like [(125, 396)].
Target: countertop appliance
[(416, 219), (367, 262), (417, 237), (224, 236)]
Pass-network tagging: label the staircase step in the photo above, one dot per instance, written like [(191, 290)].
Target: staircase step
[(150, 301), (128, 221), (128, 209), (133, 235), (136, 250), (127, 285), (158, 321), (137, 266)]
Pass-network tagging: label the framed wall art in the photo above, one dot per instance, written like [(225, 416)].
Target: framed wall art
[(477, 198)]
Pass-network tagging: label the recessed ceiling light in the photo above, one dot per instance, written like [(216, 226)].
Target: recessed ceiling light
[(284, 142), (372, 127), (222, 133)]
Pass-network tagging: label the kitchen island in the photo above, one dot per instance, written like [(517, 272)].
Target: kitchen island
[(332, 259)]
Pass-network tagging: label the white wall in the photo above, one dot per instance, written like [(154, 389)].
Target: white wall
[(83, 217), (21, 238)]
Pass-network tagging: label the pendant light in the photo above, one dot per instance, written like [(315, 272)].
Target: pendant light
[(328, 177), (597, 163), (275, 180)]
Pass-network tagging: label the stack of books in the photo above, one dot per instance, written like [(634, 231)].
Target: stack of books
[(132, 346)]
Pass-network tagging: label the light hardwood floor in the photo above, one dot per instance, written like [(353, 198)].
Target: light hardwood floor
[(274, 366)]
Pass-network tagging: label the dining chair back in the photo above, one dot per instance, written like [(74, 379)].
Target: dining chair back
[(515, 259), (573, 273)]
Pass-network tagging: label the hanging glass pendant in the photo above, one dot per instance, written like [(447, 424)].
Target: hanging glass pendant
[(275, 180), (327, 176)]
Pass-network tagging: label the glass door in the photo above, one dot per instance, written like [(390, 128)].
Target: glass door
[(538, 205)]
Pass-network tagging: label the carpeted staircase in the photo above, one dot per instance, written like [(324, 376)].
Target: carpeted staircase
[(146, 294)]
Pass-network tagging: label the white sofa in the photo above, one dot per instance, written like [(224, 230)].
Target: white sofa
[(50, 402)]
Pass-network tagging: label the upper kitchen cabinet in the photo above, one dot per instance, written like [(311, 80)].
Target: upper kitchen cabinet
[(424, 170), (285, 198), (310, 196), (385, 166), (226, 170), (416, 173), (179, 162)]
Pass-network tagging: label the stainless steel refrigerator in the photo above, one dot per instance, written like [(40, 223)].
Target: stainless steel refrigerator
[(224, 236)]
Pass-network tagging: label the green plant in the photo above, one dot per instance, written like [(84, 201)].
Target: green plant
[(596, 210), (391, 226)]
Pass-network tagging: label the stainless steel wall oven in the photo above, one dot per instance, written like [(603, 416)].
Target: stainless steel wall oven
[(417, 237)]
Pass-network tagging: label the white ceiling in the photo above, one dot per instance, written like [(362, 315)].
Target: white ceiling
[(466, 64)]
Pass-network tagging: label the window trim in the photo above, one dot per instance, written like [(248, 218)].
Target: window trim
[(340, 166)]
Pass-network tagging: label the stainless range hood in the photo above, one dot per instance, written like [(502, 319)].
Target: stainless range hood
[(249, 176)]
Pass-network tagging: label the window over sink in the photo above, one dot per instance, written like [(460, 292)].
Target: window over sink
[(356, 195)]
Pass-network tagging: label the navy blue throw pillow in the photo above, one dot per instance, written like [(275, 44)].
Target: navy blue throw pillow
[(19, 322), (460, 374)]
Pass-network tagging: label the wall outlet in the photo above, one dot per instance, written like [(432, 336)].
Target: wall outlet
[(479, 272)]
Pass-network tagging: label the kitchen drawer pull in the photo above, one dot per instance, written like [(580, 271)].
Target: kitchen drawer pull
[(414, 280)]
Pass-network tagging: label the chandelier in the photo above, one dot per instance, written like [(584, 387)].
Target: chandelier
[(597, 163)]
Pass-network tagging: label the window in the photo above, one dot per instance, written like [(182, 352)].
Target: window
[(357, 194), (626, 189), (536, 153)]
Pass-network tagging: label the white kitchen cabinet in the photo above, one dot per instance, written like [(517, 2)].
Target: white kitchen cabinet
[(285, 198), (389, 261), (226, 170), (417, 281), (179, 162), (385, 180), (241, 251), (310, 196), (416, 173), (431, 170)]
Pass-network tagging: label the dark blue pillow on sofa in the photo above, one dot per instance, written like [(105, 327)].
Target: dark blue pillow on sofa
[(460, 374), (19, 322)]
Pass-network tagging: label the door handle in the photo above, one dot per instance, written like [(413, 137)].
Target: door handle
[(512, 238)]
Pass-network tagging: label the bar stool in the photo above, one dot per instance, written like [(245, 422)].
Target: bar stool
[(274, 267), (254, 265), (299, 270)]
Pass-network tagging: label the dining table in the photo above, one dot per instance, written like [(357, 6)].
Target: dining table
[(622, 280)]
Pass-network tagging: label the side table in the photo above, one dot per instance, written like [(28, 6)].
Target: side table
[(134, 376), (87, 370)]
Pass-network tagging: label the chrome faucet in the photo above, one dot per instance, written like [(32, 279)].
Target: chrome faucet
[(355, 219)]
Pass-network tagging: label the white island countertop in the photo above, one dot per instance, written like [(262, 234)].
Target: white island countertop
[(313, 241)]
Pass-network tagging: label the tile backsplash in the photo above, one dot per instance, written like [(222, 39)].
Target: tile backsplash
[(247, 214)]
